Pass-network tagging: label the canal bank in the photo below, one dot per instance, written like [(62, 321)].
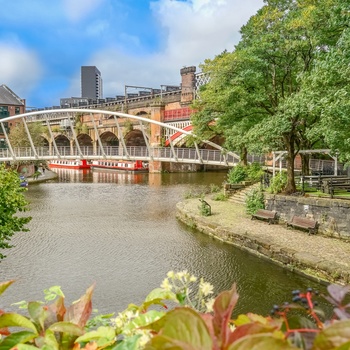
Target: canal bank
[(320, 258)]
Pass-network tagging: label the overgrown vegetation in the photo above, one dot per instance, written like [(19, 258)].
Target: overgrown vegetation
[(251, 172), (278, 183), (254, 200), (12, 201), (198, 322)]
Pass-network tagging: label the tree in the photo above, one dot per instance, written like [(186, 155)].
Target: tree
[(254, 92), (19, 137), (11, 201)]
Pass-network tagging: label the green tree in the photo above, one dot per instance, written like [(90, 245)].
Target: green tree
[(12, 201), (19, 136), (253, 95)]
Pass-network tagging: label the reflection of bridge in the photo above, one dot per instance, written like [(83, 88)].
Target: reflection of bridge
[(144, 144)]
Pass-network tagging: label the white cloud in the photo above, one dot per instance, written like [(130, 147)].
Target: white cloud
[(78, 9), (192, 32), (20, 69)]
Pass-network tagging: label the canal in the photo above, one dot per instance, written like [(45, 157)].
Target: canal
[(120, 231)]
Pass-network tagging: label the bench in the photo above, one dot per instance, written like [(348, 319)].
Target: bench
[(263, 214), (303, 223)]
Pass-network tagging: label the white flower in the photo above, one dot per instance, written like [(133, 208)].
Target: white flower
[(209, 305), (166, 285), (206, 288), (193, 278), (171, 274)]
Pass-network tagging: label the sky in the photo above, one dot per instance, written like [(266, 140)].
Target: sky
[(44, 43)]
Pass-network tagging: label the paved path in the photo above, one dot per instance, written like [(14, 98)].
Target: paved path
[(48, 175), (321, 257)]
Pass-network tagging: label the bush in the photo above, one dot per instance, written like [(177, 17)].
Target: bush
[(255, 172), (237, 174), (278, 183), (220, 197), (254, 201)]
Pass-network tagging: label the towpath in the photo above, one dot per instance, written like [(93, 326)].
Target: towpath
[(319, 257)]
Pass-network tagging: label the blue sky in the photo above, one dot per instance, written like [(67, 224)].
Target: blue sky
[(43, 43)]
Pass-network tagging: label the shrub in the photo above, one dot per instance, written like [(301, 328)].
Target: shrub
[(220, 197), (255, 172), (237, 174), (254, 200), (278, 183)]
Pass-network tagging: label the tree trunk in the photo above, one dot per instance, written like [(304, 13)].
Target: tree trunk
[(244, 156), (289, 141), (305, 160)]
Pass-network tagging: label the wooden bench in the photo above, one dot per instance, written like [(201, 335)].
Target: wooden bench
[(303, 223), (263, 214)]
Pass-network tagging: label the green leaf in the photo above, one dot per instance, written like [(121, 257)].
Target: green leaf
[(181, 326), (259, 342), (24, 347), (37, 313), (333, 336), (16, 320), (127, 344), (67, 327), (50, 341), (160, 293), (144, 319), (16, 338), (103, 336), (5, 285)]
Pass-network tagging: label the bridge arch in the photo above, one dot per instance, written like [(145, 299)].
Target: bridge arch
[(141, 124), (62, 140), (135, 138), (84, 140), (109, 139)]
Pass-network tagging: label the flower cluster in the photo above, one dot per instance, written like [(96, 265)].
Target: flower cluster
[(188, 292)]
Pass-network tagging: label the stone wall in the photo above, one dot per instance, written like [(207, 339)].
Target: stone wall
[(332, 215)]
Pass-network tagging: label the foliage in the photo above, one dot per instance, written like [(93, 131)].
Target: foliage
[(254, 201), (19, 136), (258, 98), (195, 321), (12, 201), (278, 183), (237, 174), (254, 172), (220, 196), (240, 172)]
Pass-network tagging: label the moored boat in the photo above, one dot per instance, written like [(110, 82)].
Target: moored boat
[(120, 165), (70, 164)]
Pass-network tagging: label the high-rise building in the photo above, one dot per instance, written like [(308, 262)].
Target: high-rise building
[(91, 83)]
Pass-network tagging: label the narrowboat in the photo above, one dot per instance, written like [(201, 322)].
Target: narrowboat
[(70, 164), (136, 166)]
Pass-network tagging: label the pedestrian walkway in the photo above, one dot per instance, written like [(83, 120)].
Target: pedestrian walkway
[(47, 175), (319, 257)]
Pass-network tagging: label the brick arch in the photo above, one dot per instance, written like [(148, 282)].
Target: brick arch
[(62, 140), (109, 139), (84, 140), (135, 138)]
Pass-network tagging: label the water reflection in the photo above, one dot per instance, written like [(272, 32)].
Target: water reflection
[(120, 231)]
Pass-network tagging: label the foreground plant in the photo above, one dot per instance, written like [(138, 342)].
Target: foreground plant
[(199, 322)]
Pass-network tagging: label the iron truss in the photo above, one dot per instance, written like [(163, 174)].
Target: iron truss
[(52, 118)]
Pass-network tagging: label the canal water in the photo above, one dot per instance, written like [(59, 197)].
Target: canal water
[(120, 232)]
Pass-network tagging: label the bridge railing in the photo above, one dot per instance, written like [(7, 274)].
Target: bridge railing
[(182, 155)]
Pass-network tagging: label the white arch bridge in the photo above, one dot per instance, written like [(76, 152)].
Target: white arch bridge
[(216, 155)]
